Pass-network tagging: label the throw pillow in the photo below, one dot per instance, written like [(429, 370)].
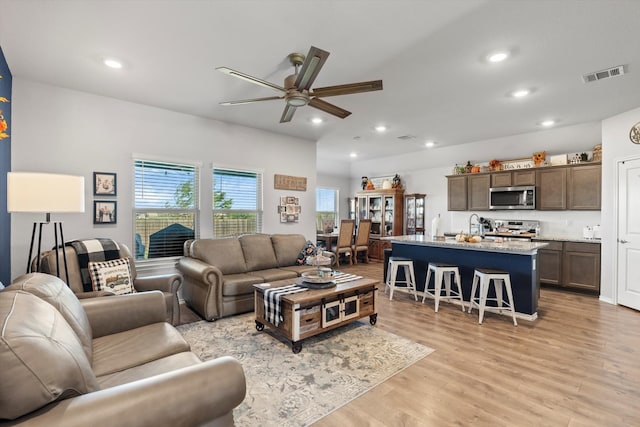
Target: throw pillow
[(113, 276), (309, 250)]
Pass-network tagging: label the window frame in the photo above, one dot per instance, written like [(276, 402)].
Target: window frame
[(155, 263), (259, 201), (335, 212)]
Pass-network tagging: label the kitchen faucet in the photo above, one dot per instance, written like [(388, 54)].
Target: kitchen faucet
[(480, 229)]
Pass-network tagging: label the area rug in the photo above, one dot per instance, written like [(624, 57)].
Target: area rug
[(287, 389)]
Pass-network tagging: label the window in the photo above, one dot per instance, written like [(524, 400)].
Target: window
[(165, 207), (326, 209), (237, 202)]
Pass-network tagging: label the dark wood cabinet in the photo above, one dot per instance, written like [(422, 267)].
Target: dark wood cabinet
[(414, 214), (457, 193), (581, 266), (573, 187), (478, 188), (571, 265), (385, 209), (513, 178), (501, 179), (551, 193), (584, 187), (550, 263)]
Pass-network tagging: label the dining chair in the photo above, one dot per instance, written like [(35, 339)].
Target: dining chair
[(345, 237), (362, 240)]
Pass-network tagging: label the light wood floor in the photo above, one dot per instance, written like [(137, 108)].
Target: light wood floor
[(577, 365)]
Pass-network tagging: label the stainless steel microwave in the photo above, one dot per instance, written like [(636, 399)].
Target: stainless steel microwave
[(507, 198)]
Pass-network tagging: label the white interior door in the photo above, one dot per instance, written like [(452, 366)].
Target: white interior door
[(629, 233)]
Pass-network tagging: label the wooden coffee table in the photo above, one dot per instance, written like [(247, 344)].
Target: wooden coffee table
[(315, 311)]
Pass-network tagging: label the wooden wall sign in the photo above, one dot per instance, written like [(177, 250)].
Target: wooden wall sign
[(286, 182)]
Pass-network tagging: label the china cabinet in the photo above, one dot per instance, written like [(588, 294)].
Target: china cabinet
[(385, 209), (414, 214)]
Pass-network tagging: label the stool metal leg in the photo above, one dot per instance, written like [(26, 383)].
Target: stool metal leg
[(497, 285), (474, 287), (392, 282), (426, 285), (510, 296), (484, 290), (459, 284), (411, 283)]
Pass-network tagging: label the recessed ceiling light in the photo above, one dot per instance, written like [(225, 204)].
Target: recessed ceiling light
[(316, 120), (353, 155), (497, 56), (112, 63), (547, 123), (430, 144), (520, 93), (380, 128)]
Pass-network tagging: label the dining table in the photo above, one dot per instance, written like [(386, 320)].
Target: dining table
[(328, 239)]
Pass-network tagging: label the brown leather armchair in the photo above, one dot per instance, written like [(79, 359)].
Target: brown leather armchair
[(168, 284), (110, 361)]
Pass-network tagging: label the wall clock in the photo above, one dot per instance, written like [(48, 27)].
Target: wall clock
[(634, 133)]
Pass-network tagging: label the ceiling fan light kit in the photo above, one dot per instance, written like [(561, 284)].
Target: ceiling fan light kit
[(297, 90)]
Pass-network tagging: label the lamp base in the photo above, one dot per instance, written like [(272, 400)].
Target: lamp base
[(57, 226)]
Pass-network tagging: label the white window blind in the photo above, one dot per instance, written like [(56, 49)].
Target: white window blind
[(165, 208), (237, 202), (326, 208)]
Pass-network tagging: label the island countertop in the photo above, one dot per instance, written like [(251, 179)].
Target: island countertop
[(510, 246)]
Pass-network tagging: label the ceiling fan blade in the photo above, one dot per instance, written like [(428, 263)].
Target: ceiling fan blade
[(329, 108), (287, 114), (347, 89), (311, 66), (251, 79), (249, 101)]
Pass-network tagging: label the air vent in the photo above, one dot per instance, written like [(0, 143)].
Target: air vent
[(406, 137), (603, 74)]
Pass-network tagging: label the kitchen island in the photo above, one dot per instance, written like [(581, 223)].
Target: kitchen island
[(519, 258)]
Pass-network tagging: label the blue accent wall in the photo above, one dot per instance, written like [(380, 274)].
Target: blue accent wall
[(5, 166)]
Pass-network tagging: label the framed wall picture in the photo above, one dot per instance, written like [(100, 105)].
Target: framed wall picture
[(104, 184), (104, 212)]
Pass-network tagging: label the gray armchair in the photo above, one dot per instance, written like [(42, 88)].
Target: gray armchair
[(168, 284)]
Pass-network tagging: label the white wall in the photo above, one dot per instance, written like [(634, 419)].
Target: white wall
[(345, 190), (425, 172), (63, 131), (616, 146)]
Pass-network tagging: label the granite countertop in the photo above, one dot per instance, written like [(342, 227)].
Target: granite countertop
[(511, 246)]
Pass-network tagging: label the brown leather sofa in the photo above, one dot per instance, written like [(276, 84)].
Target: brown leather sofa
[(168, 284), (110, 361), (219, 274)]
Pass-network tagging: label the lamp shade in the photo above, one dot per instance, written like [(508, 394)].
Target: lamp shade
[(44, 192)]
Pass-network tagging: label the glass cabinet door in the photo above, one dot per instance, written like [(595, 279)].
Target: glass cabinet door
[(388, 215), (420, 212)]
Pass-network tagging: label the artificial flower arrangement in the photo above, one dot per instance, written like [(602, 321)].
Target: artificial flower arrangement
[(495, 165), (539, 157)]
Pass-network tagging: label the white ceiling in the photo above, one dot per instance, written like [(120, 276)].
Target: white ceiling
[(429, 54)]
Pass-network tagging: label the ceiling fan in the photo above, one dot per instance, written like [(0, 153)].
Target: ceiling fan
[(297, 90)]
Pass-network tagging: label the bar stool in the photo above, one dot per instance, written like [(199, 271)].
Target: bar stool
[(443, 272), (483, 277), (408, 285)]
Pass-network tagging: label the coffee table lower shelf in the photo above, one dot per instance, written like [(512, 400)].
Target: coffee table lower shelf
[(309, 313)]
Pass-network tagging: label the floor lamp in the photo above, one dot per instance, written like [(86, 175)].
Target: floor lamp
[(45, 193)]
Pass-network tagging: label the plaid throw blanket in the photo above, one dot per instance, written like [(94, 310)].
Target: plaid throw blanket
[(93, 250), (273, 305), (339, 277)]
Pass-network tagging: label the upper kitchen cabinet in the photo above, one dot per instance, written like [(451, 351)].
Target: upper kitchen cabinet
[(478, 186), (551, 193), (457, 193), (513, 178), (584, 187)]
